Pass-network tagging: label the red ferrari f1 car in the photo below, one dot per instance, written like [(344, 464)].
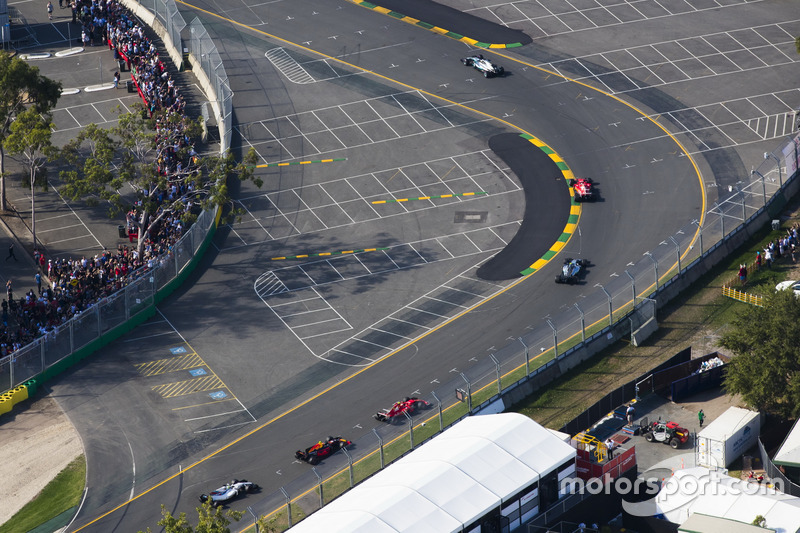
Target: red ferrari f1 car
[(408, 405), (583, 189), (316, 453)]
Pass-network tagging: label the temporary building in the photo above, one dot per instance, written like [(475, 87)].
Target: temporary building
[(492, 472), (698, 490)]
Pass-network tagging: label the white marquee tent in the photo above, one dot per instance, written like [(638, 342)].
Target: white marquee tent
[(699, 490), (449, 482)]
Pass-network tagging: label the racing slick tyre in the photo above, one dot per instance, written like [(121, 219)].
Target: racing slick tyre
[(649, 437), (572, 280), (674, 443), (466, 62), (559, 280), (486, 74), (501, 71), (313, 460)]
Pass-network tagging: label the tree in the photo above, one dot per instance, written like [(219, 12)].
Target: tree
[(766, 342), (30, 137), (102, 162), (21, 87), (210, 520)]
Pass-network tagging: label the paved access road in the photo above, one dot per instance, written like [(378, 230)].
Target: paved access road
[(409, 120)]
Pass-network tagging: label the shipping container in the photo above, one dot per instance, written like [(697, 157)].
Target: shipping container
[(728, 437)]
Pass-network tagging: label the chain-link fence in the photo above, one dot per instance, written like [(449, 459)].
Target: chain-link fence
[(166, 11), (614, 310), (105, 315), (205, 55)]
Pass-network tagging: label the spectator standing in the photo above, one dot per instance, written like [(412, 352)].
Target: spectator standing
[(38, 278), (50, 10), (74, 7), (116, 80), (629, 413), (9, 291), (610, 446), (11, 252), (700, 417)]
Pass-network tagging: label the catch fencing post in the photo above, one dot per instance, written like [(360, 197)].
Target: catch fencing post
[(633, 286), (763, 183), (349, 465), (410, 427), (677, 252), (288, 506), (319, 484), (655, 265), (583, 323), (380, 442), (700, 235), (610, 305), (497, 370), (441, 419), (527, 358), (469, 392)]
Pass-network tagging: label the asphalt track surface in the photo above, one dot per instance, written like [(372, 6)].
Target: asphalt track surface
[(145, 438)]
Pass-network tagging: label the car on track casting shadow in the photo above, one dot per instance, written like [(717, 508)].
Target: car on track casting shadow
[(229, 491), (582, 187), (316, 453), (484, 66), (572, 269), (397, 411)]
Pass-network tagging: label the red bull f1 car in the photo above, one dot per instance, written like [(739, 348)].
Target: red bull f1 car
[(316, 453), (408, 405), (229, 491), (484, 66), (583, 189)]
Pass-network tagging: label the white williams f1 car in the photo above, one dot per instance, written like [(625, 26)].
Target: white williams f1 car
[(484, 66), (228, 492)]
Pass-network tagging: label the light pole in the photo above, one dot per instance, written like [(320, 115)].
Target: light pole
[(610, 305), (527, 357), (770, 155)]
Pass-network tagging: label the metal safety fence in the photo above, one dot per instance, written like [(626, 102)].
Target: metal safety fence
[(166, 11), (774, 473), (616, 309), (206, 57), (106, 314)]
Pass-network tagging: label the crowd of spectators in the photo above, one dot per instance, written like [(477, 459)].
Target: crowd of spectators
[(77, 284)]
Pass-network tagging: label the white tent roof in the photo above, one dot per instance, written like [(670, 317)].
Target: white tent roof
[(448, 482), (789, 452), (698, 490)]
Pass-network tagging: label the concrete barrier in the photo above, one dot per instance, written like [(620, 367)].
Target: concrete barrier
[(641, 334)]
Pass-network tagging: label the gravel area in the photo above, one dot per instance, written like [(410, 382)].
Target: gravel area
[(37, 441)]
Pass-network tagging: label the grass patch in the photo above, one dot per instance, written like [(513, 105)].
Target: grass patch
[(62, 493)]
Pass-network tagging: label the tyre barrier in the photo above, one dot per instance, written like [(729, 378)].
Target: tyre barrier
[(16, 395)]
